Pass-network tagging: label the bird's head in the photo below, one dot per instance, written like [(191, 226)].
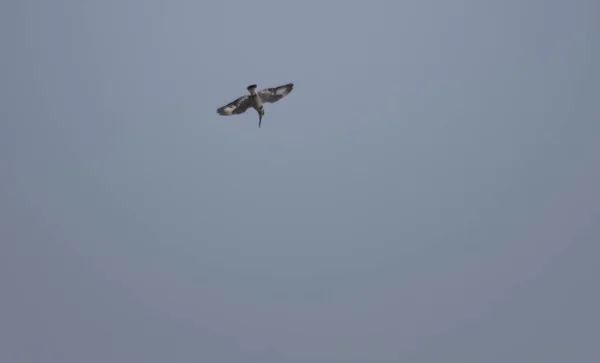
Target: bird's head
[(252, 89)]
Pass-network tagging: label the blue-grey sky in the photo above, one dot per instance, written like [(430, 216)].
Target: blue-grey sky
[(429, 192)]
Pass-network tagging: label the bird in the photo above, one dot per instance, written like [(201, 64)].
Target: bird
[(255, 100)]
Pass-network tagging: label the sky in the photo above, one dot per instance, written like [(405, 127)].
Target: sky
[(427, 193)]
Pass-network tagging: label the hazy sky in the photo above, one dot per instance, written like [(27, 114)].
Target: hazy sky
[(429, 192)]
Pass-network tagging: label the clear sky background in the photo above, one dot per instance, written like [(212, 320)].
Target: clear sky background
[(429, 192)]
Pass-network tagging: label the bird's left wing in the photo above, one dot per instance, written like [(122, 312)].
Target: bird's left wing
[(276, 93), (240, 105)]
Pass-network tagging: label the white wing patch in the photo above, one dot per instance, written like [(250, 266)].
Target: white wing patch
[(227, 110)]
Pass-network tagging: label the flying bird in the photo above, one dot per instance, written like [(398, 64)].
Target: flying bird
[(255, 100)]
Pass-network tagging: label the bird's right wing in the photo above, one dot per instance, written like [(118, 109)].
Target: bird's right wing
[(236, 107), (276, 93)]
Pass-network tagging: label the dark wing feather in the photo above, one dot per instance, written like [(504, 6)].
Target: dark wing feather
[(236, 107), (276, 93)]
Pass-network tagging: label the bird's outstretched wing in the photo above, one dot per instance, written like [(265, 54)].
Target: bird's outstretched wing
[(236, 107), (276, 93)]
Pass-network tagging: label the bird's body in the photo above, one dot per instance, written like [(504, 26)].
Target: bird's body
[(255, 100)]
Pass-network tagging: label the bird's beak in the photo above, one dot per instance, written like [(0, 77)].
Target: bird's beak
[(259, 120)]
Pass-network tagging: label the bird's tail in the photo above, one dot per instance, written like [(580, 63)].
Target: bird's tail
[(252, 89)]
